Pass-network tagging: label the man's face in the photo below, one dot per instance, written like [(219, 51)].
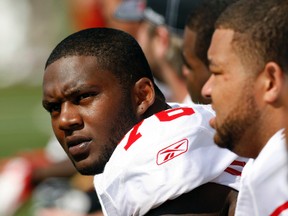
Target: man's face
[(90, 114), (195, 71), (233, 92)]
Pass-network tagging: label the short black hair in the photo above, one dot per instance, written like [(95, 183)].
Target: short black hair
[(115, 51), (202, 22), (260, 31)]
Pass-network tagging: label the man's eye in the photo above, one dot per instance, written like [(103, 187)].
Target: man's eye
[(53, 107), (215, 73), (84, 96)]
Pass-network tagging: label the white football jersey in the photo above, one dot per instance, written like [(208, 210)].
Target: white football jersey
[(264, 183), (162, 157)]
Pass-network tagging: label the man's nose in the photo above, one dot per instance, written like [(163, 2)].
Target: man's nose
[(70, 118), (207, 88)]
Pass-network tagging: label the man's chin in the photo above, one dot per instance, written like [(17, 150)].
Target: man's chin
[(88, 169), (222, 143), (219, 141)]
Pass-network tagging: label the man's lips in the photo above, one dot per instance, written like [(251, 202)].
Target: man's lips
[(76, 140), (78, 146)]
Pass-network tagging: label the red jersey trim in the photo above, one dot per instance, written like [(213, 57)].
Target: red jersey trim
[(280, 209), (233, 171)]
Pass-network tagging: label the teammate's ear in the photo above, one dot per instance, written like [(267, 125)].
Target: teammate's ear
[(145, 95), (274, 83)]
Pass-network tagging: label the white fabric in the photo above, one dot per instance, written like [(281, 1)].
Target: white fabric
[(54, 152), (264, 183), (187, 100), (141, 178), (232, 175)]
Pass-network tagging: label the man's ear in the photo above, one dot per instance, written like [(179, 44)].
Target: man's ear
[(145, 95), (274, 82)]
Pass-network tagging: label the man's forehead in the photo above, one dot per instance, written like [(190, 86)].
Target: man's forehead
[(220, 43), (222, 38)]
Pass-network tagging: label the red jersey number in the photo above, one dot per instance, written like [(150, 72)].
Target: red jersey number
[(171, 114), (164, 116)]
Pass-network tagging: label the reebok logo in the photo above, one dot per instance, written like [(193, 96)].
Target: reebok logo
[(172, 151)]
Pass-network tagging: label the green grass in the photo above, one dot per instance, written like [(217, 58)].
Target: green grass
[(24, 124)]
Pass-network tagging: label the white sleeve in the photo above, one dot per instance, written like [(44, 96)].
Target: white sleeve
[(264, 185)]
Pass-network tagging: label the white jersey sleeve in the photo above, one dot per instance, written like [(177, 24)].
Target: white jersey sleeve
[(162, 157), (264, 183)]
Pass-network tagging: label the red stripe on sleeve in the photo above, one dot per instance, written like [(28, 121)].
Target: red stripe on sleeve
[(233, 171), (238, 163), (280, 209)]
